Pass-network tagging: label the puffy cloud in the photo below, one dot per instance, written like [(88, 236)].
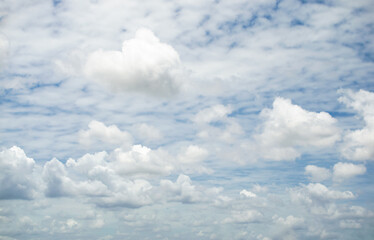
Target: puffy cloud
[(58, 184), (214, 123), (184, 191), (191, 160), (144, 65), (17, 179), (105, 135), (212, 114), (317, 174), (288, 126), (318, 198), (141, 160), (247, 194), (344, 171), (359, 144)]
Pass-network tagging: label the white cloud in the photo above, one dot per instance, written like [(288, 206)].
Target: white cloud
[(318, 198), (58, 184), (147, 133), (289, 221), (141, 161), (17, 175), (4, 48), (288, 126), (247, 194), (191, 159), (343, 171), (184, 191), (359, 144), (212, 114), (106, 136), (144, 65), (246, 216), (317, 174)]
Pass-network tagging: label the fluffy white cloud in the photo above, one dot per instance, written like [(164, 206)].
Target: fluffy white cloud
[(58, 184), (247, 194), (144, 65), (317, 174), (190, 160), (106, 136), (214, 123), (184, 191), (318, 197), (212, 114), (17, 179), (288, 126), (141, 161), (344, 171), (359, 144)]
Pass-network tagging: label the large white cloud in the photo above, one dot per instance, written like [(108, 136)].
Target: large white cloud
[(18, 179), (359, 144), (105, 136), (317, 174), (344, 171), (288, 126), (144, 65)]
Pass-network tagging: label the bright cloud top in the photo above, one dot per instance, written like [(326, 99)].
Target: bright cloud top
[(288, 126), (359, 144), (144, 65)]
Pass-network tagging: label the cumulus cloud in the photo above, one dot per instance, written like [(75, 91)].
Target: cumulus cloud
[(17, 177), (288, 126), (58, 184), (144, 65), (317, 174), (106, 136), (317, 197), (140, 161), (343, 171), (191, 160), (214, 123), (359, 144), (212, 114), (247, 194)]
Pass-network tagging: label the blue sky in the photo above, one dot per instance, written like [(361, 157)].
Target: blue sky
[(186, 119)]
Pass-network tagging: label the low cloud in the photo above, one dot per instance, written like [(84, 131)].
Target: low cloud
[(359, 144), (144, 65), (287, 127), (343, 171)]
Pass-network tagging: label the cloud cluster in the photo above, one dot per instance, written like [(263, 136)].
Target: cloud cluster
[(359, 144), (17, 175), (287, 127), (118, 179), (144, 65)]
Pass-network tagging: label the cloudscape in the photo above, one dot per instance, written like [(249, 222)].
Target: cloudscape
[(159, 119)]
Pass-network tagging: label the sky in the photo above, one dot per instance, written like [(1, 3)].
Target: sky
[(160, 119)]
